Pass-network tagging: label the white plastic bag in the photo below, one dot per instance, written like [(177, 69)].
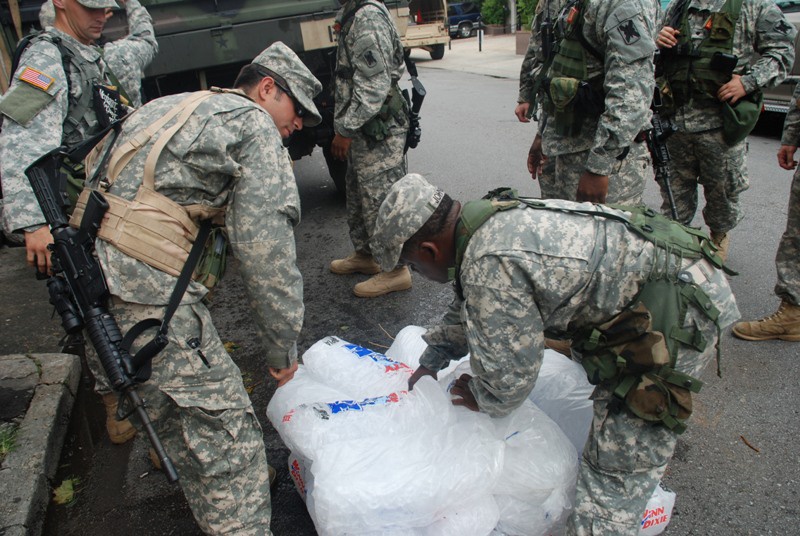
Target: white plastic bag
[(658, 512)]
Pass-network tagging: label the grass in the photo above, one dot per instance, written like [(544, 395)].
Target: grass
[(8, 438)]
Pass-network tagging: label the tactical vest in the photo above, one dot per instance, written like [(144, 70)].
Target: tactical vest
[(152, 227), (687, 73), (634, 353), (571, 95), (395, 106)]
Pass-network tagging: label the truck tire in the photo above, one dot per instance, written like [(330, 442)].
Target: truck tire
[(437, 52), (465, 30), (337, 169)]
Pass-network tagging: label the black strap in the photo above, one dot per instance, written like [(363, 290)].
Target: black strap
[(145, 355)]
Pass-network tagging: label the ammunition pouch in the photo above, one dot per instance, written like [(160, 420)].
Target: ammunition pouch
[(739, 120), (395, 107), (571, 101)]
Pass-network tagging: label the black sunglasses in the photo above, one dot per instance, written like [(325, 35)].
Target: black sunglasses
[(281, 83)]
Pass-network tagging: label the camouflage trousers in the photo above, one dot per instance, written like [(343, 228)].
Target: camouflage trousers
[(625, 185), (205, 420), (787, 260), (625, 457), (372, 168), (704, 159)]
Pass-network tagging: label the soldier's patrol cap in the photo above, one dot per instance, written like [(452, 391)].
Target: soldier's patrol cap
[(98, 4), (410, 203), (281, 63)]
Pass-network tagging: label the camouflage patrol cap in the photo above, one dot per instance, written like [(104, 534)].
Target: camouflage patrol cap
[(411, 201), (98, 4), (282, 61)]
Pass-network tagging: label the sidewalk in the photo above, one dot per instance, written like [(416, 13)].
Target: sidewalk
[(37, 393), (497, 56)]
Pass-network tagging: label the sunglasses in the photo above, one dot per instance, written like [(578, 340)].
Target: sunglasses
[(298, 109)]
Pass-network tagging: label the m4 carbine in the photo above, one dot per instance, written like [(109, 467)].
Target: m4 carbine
[(415, 104), (79, 292)]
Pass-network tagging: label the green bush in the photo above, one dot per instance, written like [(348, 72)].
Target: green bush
[(493, 12), (525, 13)]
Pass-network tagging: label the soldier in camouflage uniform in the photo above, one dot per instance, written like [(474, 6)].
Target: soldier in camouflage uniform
[(531, 91), (129, 56), (371, 124), (229, 153), (525, 271), (600, 88), (762, 42), (785, 323), (44, 110)]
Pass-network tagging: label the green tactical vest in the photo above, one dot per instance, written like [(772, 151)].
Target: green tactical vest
[(633, 355), (688, 71), (571, 95)]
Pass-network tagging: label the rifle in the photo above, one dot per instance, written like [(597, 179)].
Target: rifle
[(656, 138), (79, 292), (415, 104)]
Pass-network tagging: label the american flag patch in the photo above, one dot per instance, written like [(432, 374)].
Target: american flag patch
[(36, 78)]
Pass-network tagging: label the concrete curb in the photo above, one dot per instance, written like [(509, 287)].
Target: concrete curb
[(26, 472)]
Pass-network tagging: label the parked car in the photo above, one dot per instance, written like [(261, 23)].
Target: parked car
[(464, 18)]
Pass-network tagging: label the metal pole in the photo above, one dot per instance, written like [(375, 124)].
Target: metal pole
[(480, 35)]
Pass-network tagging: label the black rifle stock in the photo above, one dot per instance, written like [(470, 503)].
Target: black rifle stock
[(78, 289), (418, 93), (656, 138)]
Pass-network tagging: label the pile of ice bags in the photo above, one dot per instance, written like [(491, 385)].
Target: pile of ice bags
[(370, 457)]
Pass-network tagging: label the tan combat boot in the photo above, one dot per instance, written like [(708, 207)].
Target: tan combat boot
[(384, 283), (119, 432), (355, 263), (784, 324), (722, 241)]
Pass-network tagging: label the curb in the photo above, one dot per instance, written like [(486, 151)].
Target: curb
[(26, 472)]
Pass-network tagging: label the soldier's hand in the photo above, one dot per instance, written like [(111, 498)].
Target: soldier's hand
[(732, 91), (536, 159), (461, 388), (419, 373), (667, 37), (283, 375), (38, 255), (592, 188), (786, 157), (340, 146), (521, 111)]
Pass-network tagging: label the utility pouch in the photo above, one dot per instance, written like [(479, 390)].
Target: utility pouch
[(722, 27), (562, 92), (739, 120), (394, 107), (213, 261)]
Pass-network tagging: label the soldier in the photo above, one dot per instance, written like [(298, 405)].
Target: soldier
[(785, 323), (371, 124), (716, 55), (531, 79), (128, 57), (523, 268), (201, 154), (600, 85), (53, 101)]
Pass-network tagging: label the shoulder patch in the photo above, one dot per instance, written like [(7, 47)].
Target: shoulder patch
[(36, 78)]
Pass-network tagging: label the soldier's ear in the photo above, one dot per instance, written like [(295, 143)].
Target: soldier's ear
[(58, 4)]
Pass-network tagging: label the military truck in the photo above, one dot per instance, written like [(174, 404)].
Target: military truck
[(204, 43)]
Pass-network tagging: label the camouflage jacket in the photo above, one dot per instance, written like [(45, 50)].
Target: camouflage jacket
[(623, 32), (229, 153), (534, 56), (519, 281), (761, 30), (369, 60), (791, 126), (39, 126), (129, 57)]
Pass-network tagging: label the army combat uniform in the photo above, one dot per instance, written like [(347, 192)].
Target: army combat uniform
[(763, 43), (600, 88), (228, 154), (788, 258), (592, 274), (40, 116), (371, 110)]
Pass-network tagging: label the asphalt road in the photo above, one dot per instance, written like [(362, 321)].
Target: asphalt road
[(735, 470)]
